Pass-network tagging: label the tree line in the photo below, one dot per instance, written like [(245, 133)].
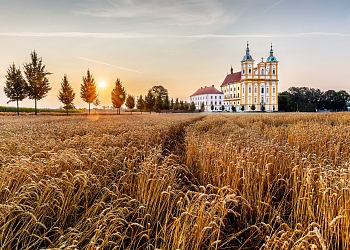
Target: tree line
[(310, 99), (35, 85)]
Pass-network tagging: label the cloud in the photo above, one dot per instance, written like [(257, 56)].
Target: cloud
[(166, 12), (90, 60), (140, 35)]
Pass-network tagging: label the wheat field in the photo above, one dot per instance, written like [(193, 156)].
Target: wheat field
[(177, 181)]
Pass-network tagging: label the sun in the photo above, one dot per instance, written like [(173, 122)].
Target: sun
[(101, 84)]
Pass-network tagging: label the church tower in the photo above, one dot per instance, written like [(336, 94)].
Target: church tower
[(247, 65), (272, 75)]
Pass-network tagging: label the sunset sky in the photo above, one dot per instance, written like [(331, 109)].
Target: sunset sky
[(181, 45)]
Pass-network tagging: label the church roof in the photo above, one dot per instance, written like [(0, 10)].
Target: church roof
[(206, 90), (232, 78), (247, 56), (271, 58)]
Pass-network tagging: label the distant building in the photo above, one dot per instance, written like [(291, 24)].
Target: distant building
[(252, 85), (208, 96)]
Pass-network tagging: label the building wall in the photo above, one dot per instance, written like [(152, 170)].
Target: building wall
[(208, 99)]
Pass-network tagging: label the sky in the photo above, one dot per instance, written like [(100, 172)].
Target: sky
[(182, 45)]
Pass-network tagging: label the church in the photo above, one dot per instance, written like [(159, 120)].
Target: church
[(252, 85)]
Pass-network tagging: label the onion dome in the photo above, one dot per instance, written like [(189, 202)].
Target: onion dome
[(271, 58), (247, 56)]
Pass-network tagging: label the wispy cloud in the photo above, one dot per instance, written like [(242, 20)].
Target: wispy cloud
[(136, 35), (169, 12), (271, 7), (111, 65)]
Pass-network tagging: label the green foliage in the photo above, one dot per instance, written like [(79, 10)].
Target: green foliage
[(159, 102), (192, 106), (31, 110), (130, 102), (118, 95), (159, 90), (172, 104), (222, 107), (140, 104), (262, 107), (181, 105), (252, 107), (150, 101), (176, 104), (212, 107), (185, 105), (66, 94), (166, 103), (233, 108), (202, 107), (15, 86), (242, 108), (37, 83)]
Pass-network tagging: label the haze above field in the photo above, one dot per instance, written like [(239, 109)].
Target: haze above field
[(181, 45)]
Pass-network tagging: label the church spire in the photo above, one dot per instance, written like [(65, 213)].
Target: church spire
[(231, 70), (271, 58), (247, 56)]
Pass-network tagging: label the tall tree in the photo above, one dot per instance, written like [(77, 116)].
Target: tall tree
[(166, 103), (172, 104), (181, 105), (149, 101), (140, 104), (37, 83), (130, 102), (193, 106), (176, 104), (159, 103), (185, 105), (156, 90), (88, 89), (15, 86), (118, 95), (66, 94), (202, 107)]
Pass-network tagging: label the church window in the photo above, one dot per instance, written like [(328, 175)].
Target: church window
[(243, 71), (255, 90), (238, 88), (220, 97), (211, 98), (255, 100), (211, 102), (249, 90), (250, 70), (234, 95), (215, 97), (219, 102), (215, 103), (237, 103), (234, 103), (238, 95), (262, 71), (267, 90), (262, 90), (273, 72), (243, 90), (273, 90)]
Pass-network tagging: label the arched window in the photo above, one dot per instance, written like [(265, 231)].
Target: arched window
[(249, 90), (262, 90), (273, 71), (262, 71)]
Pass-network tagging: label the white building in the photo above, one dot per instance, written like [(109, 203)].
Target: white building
[(208, 96)]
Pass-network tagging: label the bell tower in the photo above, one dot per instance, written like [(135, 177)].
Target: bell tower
[(247, 65), (272, 80)]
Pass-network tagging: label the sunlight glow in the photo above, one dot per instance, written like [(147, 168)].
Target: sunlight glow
[(101, 84)]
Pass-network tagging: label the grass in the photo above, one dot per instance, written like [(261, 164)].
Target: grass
[(184, 181), (31, 110)]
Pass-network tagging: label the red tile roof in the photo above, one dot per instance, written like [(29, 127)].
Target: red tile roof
[(235, 77), (207, 90)]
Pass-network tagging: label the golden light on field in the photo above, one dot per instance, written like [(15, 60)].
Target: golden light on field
[(102, 84)]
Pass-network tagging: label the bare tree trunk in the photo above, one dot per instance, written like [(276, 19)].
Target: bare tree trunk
[(35, 108), (17, 108)]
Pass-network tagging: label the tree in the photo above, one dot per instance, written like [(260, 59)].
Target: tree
[(66, 94), (222, 107), (166, 103), (140, 104), (159, 102), (212, 107), (262, 107), (233, 108), (176, 104), (156, 90), (202, 107), (284, 101), (252, 107), (242, 108), (181, 105), (185, 105), (96, 102), (172, 104), (193, 106), (130, 102), (149, 101), (15, 86), (37, 83), (88, 89), (118, 95)]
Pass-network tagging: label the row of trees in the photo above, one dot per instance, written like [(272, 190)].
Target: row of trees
[(35, 85), (310, 99)]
